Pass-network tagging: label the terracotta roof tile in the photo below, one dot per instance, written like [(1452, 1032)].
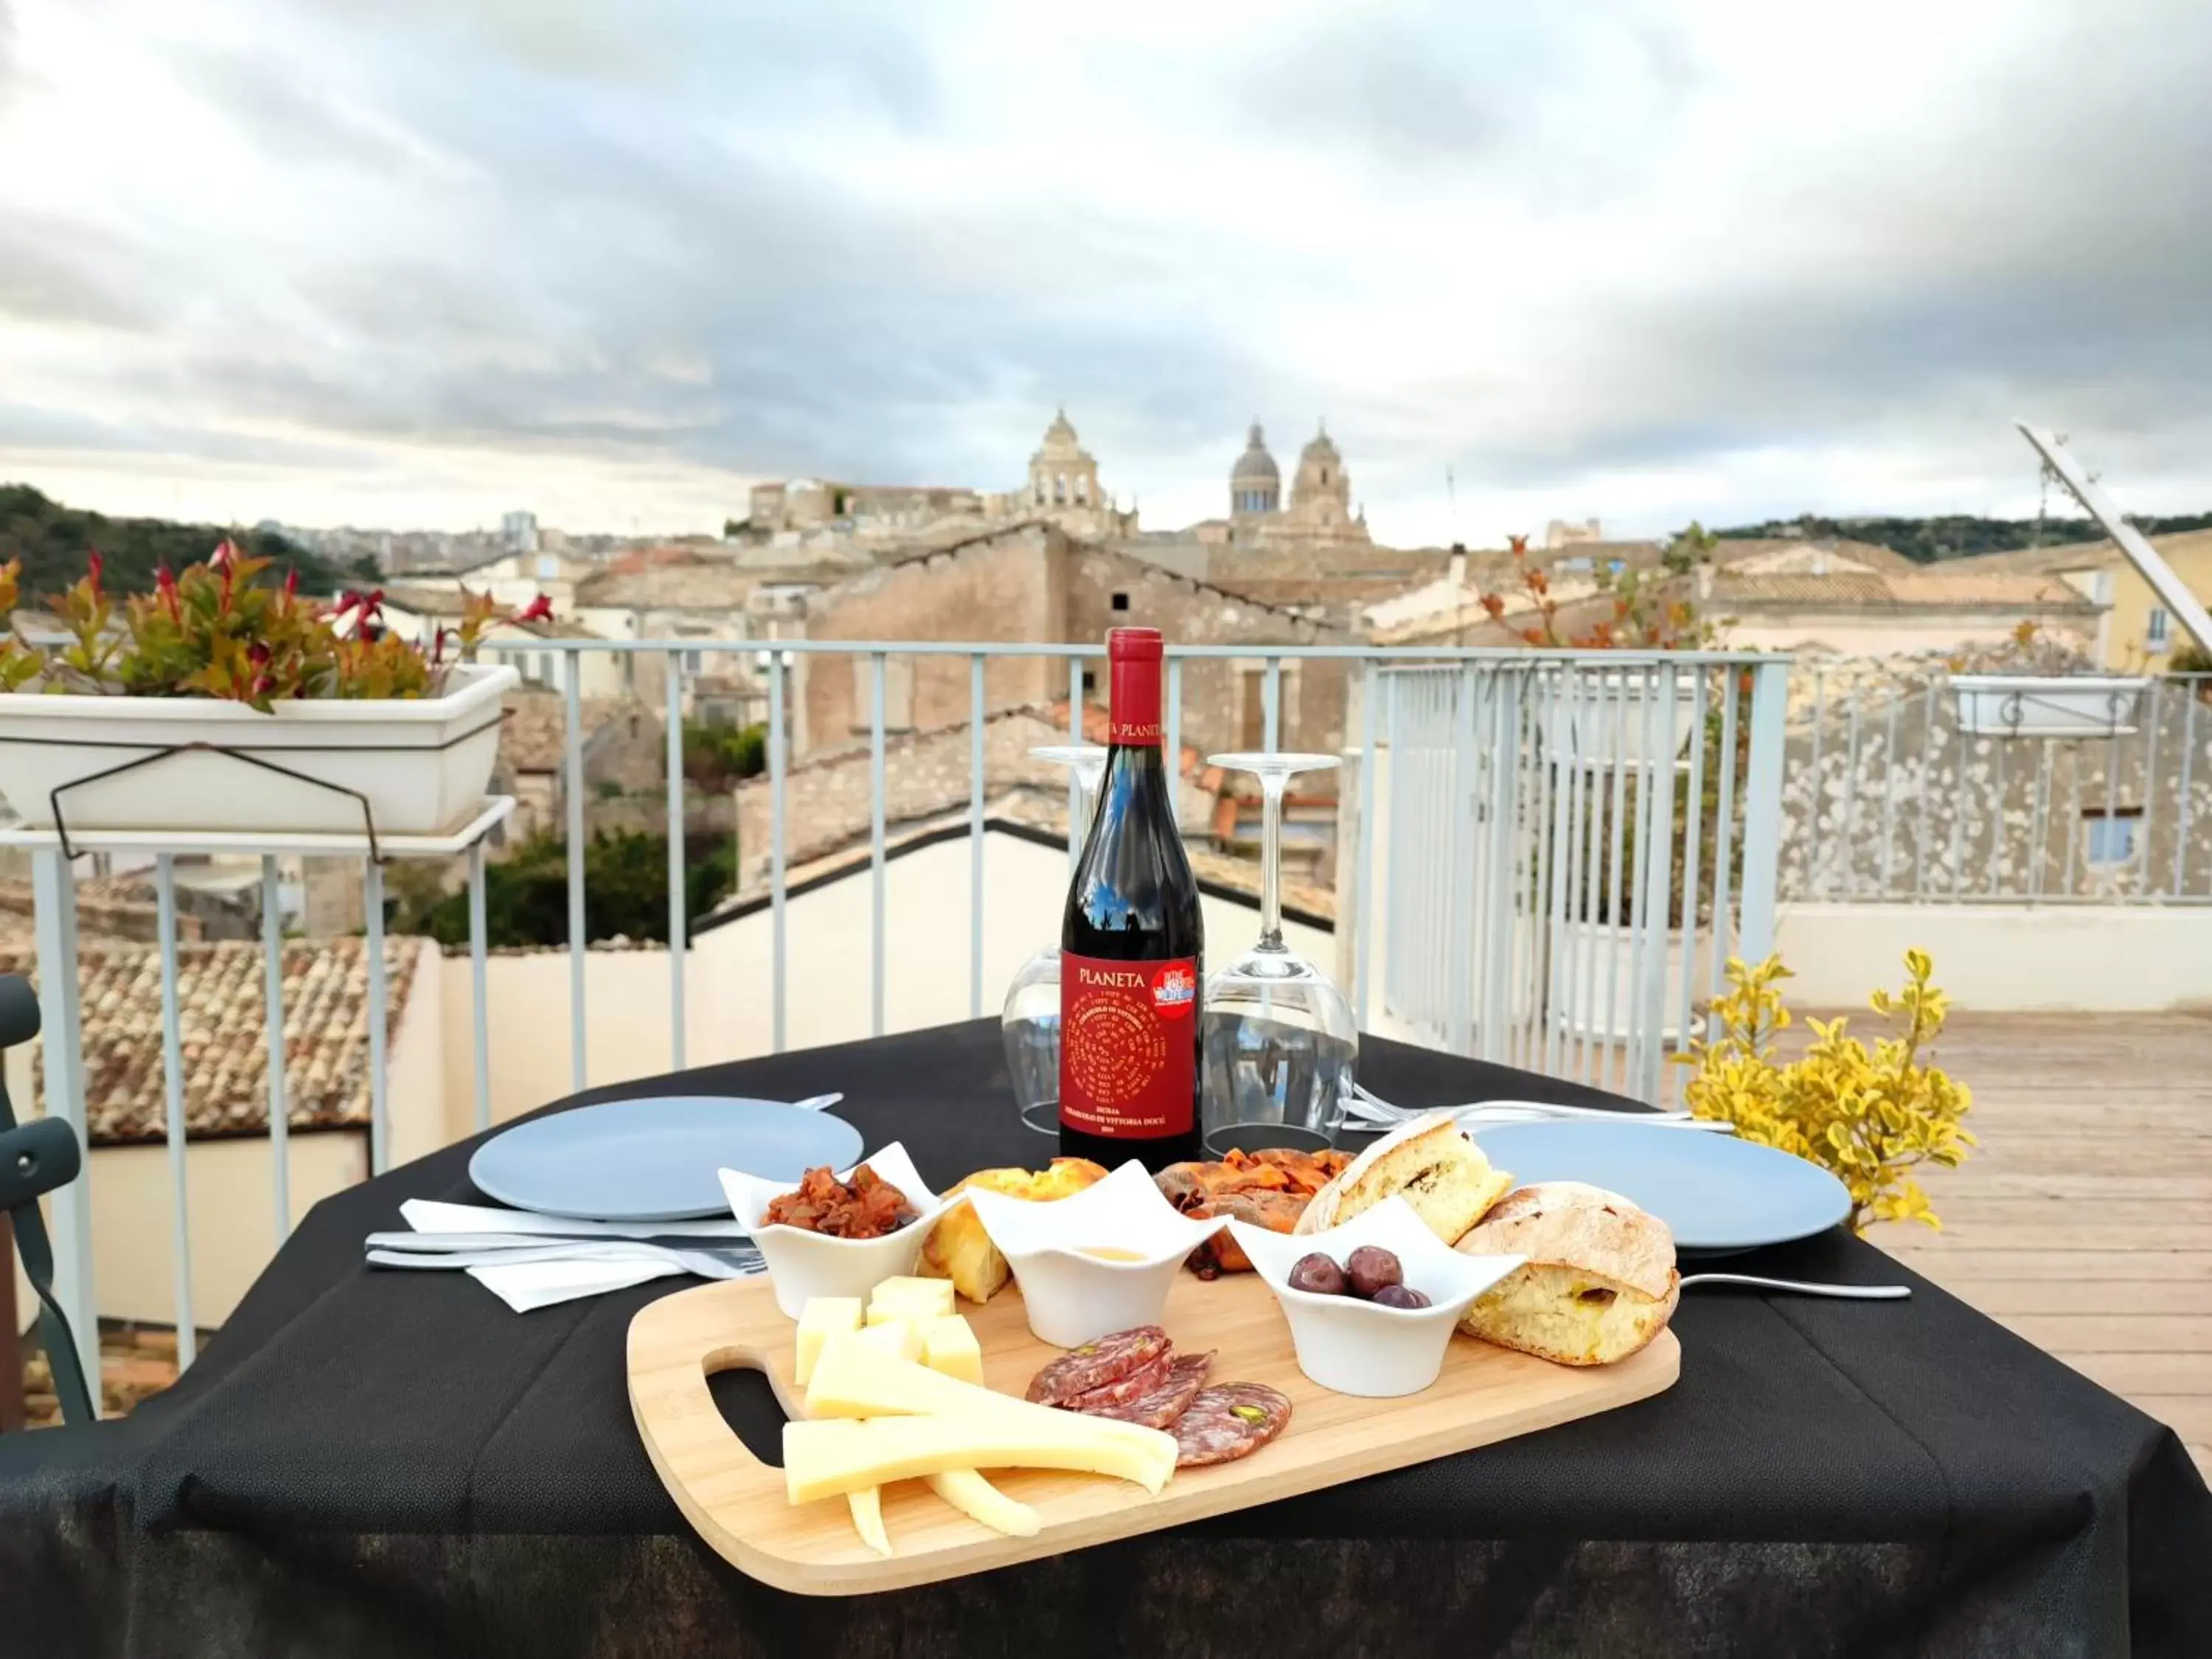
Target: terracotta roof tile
[(221, 1019)]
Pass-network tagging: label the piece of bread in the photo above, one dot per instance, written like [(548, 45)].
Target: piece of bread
[(959, 1249), (1431, 1163), (1599, 1284)]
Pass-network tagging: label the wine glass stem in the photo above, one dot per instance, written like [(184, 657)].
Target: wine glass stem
[(1272, 785)]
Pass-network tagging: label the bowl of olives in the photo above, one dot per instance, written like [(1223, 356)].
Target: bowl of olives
[(1371, 1305)]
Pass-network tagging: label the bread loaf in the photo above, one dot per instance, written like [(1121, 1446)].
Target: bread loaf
[(1599, 1284), (1431, 1163), (959, 1249)]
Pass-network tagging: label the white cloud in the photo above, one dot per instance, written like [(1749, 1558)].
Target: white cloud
[(421, 261)]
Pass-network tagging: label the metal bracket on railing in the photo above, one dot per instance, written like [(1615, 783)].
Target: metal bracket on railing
[(61, 824)]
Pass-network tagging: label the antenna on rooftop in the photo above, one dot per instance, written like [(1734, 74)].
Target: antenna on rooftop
[(1451, 503)]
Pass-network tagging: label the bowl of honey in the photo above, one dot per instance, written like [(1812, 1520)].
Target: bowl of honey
[(1098, 1260)]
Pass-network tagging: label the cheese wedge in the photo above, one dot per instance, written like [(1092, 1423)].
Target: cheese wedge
[(906, 1297), (821, 1318), (900, 1338), (828, 1459), (867, 1506), (855, 1379), (949, 1347), (978, 1499)]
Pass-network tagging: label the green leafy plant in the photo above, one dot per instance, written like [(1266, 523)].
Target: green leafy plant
[(1871, 1115), (715, 758), (217, 631), (625, 890)]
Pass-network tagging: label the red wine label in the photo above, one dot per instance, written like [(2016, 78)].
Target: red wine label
[(1127, 1055)]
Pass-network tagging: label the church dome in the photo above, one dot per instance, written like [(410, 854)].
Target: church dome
[(1255, 466), (1322, 448), (1059, 437)]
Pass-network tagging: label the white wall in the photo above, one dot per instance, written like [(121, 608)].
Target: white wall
[(230, 1185), (727, 975), (2089, 958), (229, 1197)]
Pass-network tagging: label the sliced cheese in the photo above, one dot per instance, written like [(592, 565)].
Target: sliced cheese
[(855, 1379), (829, 1458), (907, 1297), (821, 1318), (867, 1506), (900, 1338), (949, 1347), (977, 1498)]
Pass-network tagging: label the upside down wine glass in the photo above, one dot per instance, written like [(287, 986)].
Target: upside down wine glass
[(1029, 1021), (1279, 1039)]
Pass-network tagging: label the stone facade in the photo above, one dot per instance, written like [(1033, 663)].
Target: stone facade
[(828, 800), (1035, 585), (1885, 796)]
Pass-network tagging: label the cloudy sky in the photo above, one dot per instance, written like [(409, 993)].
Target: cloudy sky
[(412, 262)]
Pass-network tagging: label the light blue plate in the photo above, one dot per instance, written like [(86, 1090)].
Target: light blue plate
[(1714, 1191), (654, 1159)]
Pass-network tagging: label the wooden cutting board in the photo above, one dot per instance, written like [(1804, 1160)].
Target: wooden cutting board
[(739, 1506)]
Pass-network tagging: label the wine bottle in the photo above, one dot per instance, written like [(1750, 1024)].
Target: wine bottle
[(1131, 944)]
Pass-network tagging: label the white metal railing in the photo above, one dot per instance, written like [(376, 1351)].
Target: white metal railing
[(1890, 798), (1455, 752), (1572, 852)]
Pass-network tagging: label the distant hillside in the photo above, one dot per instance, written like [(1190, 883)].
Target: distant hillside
[(51, 541), (1958, 535)]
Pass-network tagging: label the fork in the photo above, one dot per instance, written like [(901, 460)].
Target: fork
[(1365, 1103), (732, 1261)]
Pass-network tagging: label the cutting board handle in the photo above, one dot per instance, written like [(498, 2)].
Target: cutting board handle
[(692, 1446)]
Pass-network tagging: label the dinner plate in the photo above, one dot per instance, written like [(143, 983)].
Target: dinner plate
[(654, 1159), (1714, 1191)]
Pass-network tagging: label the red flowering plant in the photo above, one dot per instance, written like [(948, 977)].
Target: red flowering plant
[(216, 631)]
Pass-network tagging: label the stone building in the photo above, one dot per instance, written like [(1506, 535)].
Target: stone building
[(1034, 583), (1320, 509)]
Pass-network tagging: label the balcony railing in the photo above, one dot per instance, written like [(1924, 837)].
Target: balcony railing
[(1891, 798), (1541, 858)]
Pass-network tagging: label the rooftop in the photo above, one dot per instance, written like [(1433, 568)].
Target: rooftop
[(222, 1016), (535, 737)]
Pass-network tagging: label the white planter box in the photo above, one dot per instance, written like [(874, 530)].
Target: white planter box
[(1599, 718), (2036, 706), (423, 764)]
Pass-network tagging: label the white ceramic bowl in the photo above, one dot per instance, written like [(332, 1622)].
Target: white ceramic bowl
[(1072, 1296), (1355, 1347), (804, 1265)]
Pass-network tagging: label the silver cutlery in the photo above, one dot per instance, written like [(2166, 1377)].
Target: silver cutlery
[(737, 1262), (1801, 1287), (441, 1244), (817, 1103), (1365, 1103)]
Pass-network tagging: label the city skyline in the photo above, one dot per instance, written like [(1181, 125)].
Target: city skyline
[(411, 266)]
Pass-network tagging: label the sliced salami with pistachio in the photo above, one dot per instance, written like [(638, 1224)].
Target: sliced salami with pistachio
[(1229, 1421)]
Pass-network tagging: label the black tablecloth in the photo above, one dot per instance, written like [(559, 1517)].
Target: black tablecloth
[(383, 1462)]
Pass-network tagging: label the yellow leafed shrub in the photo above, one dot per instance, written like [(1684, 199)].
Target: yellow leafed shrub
[(1870, 1115)]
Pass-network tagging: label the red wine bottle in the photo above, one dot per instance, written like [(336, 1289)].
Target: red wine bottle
[(1131, 945)]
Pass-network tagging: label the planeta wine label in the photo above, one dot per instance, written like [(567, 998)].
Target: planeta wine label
[(1128, 1063)]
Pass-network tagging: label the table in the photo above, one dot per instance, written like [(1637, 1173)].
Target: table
[(380, 1462)]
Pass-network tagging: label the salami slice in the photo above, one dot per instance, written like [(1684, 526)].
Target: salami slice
[(1134, 1386), (1096, 1364), (1229, 1421), (1162, 1406)]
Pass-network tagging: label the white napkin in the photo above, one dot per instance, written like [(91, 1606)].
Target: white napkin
[(527, 1284)]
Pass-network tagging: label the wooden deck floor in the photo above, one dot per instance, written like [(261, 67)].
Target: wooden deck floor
[(2084, 1223)]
